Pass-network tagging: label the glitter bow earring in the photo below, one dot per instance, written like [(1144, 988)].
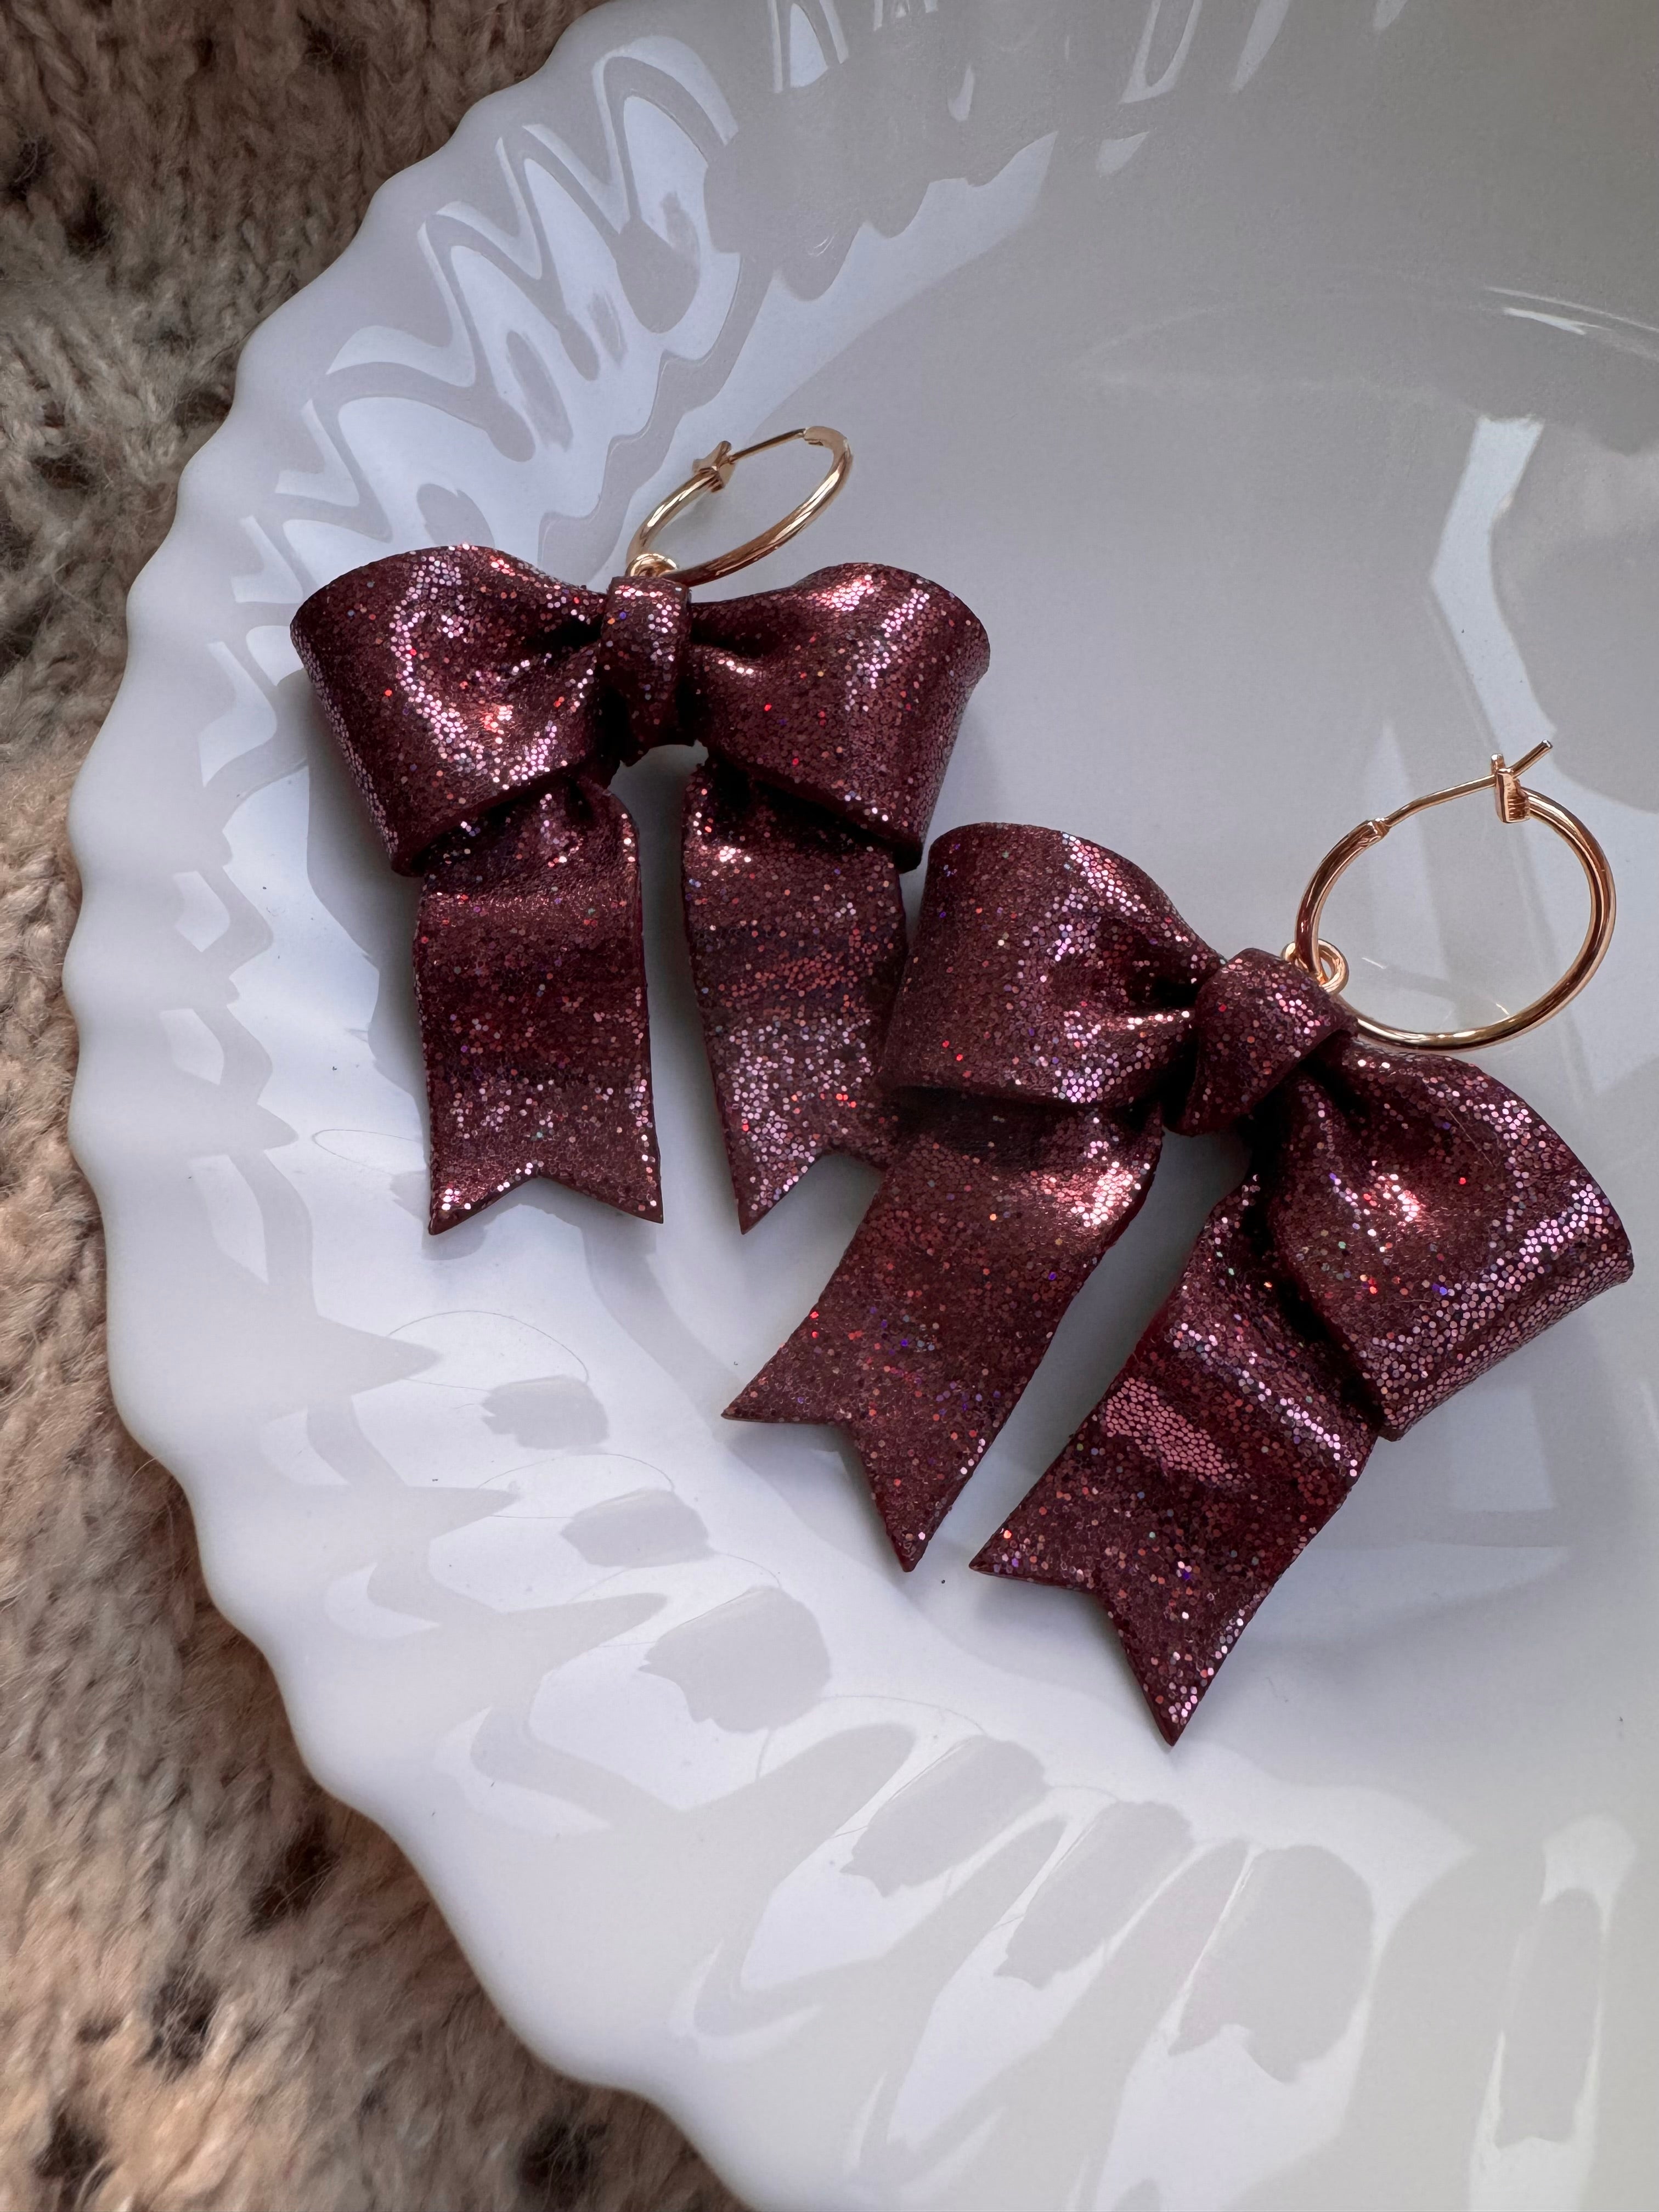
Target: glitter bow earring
[(483, 709), (1408, 1222)]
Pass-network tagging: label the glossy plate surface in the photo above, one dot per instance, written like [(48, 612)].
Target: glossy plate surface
[(1281, 385)]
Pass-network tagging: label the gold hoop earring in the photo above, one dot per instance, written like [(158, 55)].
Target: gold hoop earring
[(713, 474), (1516, 802)]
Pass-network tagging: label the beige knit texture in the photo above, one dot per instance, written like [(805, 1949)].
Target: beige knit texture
[(218, 1988)]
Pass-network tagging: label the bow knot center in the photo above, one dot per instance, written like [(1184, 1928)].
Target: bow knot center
[(1254, 1021), (643, 633)]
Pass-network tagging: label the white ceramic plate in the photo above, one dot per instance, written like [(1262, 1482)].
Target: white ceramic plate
[(1281, 383)]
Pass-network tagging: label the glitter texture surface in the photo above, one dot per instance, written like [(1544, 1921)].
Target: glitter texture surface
[(1254, 1020), (831, 711), (796, 929), (1431, 1219), (984, 1230), (1045, 968), (1407, 1223), (1042, 1007), (483, 707), (1229, 1439), (530, 977)]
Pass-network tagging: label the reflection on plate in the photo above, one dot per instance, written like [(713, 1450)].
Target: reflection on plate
[(1282, 386)]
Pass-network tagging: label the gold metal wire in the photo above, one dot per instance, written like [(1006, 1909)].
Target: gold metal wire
[(1516, 802), (714, 473)]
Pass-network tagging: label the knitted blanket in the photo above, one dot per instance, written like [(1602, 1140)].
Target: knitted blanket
[(218, 1988)]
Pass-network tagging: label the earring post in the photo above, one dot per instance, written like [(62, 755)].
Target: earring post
[(1499, 778)]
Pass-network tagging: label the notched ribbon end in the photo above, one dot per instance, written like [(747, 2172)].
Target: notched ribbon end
[(757, 1195), (760, 1403), (758, 1185), (1172, 1680), (789, 1392), (1020, 1552), (1227, 1442), (462, 1188), (795, 926), (1006, 1554), (786, 1391)]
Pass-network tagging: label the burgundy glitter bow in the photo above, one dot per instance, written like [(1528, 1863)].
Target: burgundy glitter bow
[(483, 709), (1407, 1223)]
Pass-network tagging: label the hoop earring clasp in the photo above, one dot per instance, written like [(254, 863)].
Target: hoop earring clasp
[(1516, 802), (714, 473)]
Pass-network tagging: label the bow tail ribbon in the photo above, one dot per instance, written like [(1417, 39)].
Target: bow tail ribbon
[(830, 712), (1030, 1133), (530, 979), (795, 926), (482, 708), (1227, 1442), (1409, 1224), (987, 1225)]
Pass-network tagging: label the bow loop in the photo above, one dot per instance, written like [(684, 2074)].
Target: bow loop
[(454, 680), (1045, 968), (845, 691), (1432, 1221)]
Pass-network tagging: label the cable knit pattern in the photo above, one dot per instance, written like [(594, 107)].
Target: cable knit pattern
[(222, 1992)]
